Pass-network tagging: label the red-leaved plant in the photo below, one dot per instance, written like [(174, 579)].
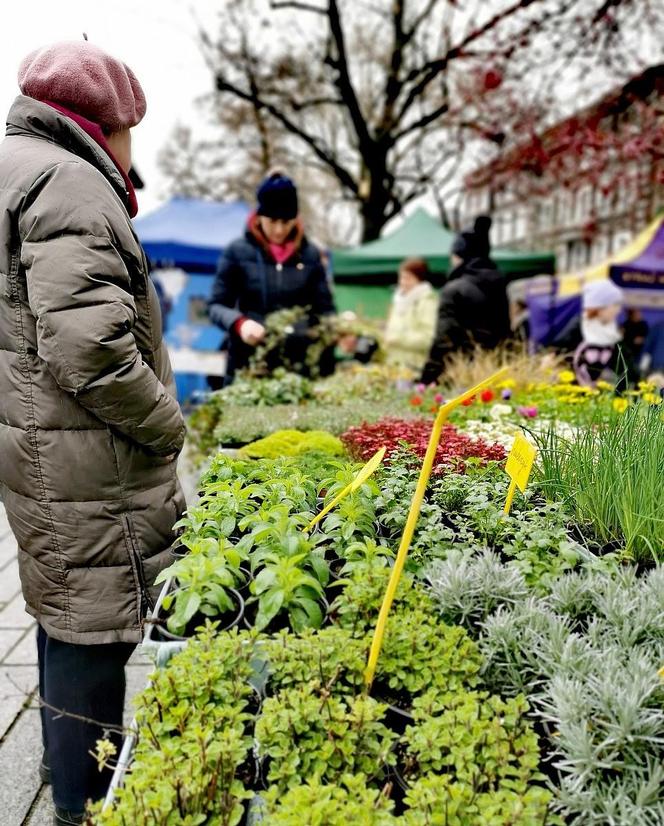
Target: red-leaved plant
[(363, 441)]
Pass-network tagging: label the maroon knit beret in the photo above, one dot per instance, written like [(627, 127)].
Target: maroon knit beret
[(83, 78)]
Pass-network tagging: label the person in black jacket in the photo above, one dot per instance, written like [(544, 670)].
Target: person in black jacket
[(473, 308), (271, 268)]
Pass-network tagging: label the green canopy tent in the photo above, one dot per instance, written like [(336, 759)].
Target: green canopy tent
[(364, 276)]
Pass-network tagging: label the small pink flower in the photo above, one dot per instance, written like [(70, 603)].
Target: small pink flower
[(439, 398), (528, 412), (420, 388)]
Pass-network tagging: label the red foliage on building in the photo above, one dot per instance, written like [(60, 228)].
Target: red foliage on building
[(606, 144)]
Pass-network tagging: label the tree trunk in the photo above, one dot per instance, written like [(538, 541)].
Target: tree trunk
[(376, 199)]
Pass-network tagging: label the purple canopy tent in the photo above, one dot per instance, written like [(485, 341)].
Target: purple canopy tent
[(641, 277), (646, 270)]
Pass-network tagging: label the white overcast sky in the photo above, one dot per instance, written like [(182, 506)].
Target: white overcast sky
[(156, 38)]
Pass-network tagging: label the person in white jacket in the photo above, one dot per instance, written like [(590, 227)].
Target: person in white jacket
[(411, 322)]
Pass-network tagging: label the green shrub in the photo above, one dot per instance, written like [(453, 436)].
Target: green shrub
[(358, 605), (305, 735), (330, 659), (193, 737), (350, 801), (420, 653), (294, 443), (436, 800), (482, 741)]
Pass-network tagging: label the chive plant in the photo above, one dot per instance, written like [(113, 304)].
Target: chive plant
[(610, 479)]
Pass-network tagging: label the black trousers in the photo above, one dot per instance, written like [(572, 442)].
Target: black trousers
[(87, 681)]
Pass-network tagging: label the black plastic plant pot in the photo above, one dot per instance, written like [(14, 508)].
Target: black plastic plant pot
[(180, 552), (248, 576), (336, 566), (227, 621), (400, 788), (383, 531), (397, 717), (399, 780), (280, 622)]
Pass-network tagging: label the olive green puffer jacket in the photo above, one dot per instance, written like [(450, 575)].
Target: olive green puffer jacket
[(89, 425)]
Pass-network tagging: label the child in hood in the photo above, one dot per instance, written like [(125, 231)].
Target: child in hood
[(599, 354)]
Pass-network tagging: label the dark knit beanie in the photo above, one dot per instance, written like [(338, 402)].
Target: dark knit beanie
[(474, 243), (277, 198)]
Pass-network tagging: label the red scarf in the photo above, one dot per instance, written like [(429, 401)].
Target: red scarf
[(95, 131), (282, 252), (279, 252)]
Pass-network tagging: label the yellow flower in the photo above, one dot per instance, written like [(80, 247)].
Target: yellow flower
[(620, 405), (661, 672), (566, 377), (604, 385), (646, 386), (508, 384), (652, 398)]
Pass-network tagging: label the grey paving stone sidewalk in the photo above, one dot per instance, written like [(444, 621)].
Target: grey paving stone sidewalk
[(23, 799)]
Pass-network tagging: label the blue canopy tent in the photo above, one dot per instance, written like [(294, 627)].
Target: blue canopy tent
[(183, 240)]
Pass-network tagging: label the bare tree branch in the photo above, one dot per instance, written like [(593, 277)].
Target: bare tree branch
[(344, 83), (344, 176), (394, 84), (294, 4), (432, 69)]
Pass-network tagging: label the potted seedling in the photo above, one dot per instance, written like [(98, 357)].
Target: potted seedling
[(301, 734), (421, 654), (284, 593), (333, 804), (203, 585)]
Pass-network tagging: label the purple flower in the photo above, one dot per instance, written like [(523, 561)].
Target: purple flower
[(506, 394)]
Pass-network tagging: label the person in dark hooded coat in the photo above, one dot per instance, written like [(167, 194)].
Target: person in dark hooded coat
[(473, 308), (273, 267)]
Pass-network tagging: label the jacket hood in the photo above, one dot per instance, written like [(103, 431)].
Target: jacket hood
[(254, 233), (29, 117), (484, 268)]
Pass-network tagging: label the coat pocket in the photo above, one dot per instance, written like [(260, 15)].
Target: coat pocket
[(143, 596)]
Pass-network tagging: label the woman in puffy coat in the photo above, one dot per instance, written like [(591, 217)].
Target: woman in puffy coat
[(90, 429), (412, 319), (272, 267)]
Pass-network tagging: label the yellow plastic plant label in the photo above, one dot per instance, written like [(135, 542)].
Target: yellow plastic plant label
[(413, 516), (519, 466), (520, 462), (363, 474), (368, 470)]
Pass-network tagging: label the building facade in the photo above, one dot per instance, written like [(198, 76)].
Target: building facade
[(586, 186)]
